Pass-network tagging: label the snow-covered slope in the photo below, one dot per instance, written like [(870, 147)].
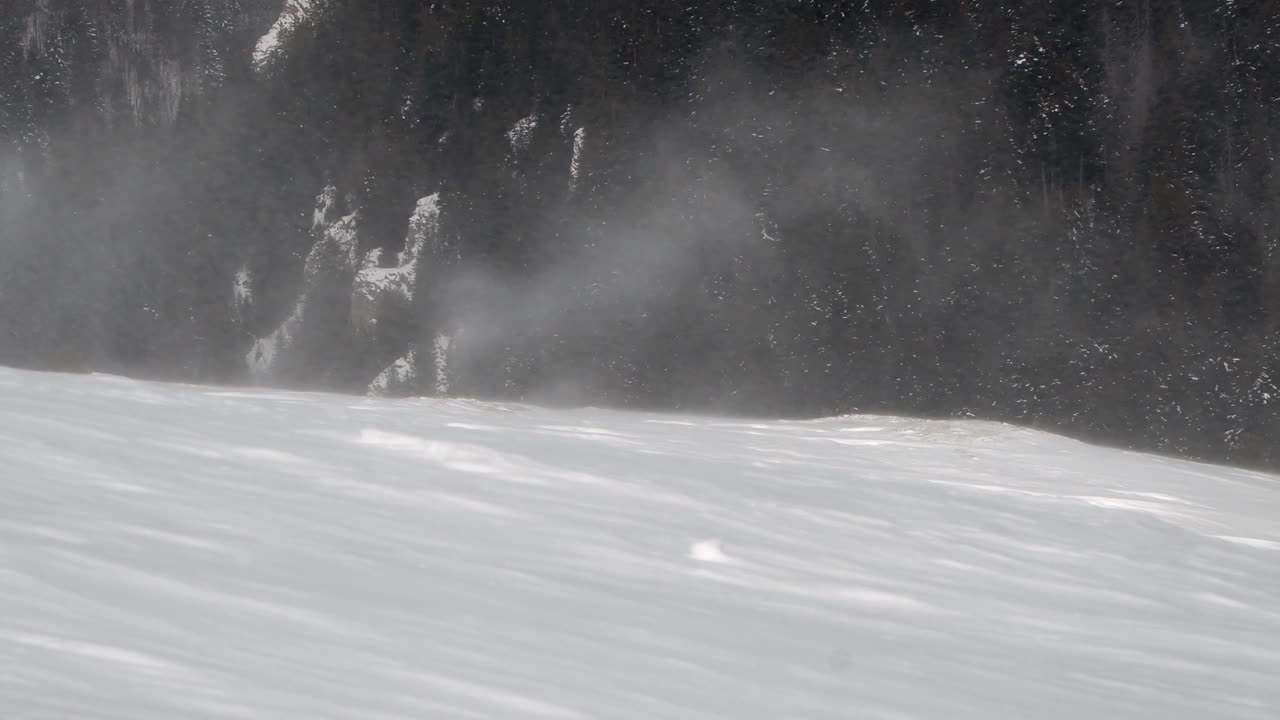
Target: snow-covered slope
[(178, 552)]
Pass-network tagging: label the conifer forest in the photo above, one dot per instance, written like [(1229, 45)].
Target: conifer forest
[(1063, 214)]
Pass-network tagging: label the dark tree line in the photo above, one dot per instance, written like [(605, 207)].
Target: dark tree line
[(1063, 213)]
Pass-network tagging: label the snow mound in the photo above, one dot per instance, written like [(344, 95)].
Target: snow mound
[(171, 551)]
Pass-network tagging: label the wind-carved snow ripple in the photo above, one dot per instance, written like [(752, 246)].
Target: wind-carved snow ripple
[(290, 555), (460, 457)]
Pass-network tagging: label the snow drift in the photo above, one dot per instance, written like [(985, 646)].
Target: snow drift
[(171, 551)]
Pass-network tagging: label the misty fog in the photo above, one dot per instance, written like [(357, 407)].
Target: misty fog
[(1062, 215)]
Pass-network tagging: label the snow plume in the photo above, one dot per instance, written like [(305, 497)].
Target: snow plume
[(294, 15), (701, 236), (628, 268)]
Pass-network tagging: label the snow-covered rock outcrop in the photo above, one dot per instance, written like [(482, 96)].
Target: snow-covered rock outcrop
[(336, 249), (400, 378), (335, 268), (575, 163), (294, 15), (265, 353), (521, 134), (579, 139), (376, 289), (333, 255), (241, 295), (325, 213), (440, 359)]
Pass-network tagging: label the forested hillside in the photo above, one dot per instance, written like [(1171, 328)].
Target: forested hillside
[(1064, 213)]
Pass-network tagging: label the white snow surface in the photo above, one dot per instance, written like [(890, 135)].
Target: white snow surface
[(183, 552)]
